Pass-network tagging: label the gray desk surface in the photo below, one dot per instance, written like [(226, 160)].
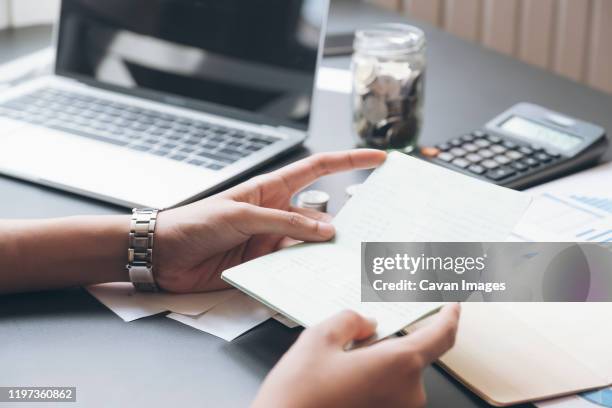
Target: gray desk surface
[(67, 338)]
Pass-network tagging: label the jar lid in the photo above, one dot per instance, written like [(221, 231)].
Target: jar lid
[(389, 39)]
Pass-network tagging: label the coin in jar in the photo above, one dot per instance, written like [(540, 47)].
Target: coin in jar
[(374, 109), (387, 86)]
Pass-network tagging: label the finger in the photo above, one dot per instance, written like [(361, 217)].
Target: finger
[(435, 338), (253, 220), (287, 242), (343, 328), (314, 214), (300, 174)]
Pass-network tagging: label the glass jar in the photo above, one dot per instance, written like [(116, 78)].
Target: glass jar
[(388, 69)]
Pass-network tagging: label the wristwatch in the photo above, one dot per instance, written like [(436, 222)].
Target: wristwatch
[(140, 250)]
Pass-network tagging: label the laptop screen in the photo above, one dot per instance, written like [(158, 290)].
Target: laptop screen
[(250, 59)]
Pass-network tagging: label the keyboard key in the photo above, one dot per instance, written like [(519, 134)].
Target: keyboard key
[(486, 153), (494, 139), (474, 158), (178, 157), (482, 143), (470, 147), (444, 147), (499, 149), (141, 148), (196, 162), (187, 149), (500, 174), (519, 166), (525, 150), (467, 138), (233, 153), (458, 152), (253, 147), (552, 154), (161, 152), (509, 145), (536, 148), (543, 157), (215, 166), (489, 164), (479, 134), (445, 156), (455, 142), (461, 163), (476, 169), (430, 152), (169, 146), (514, 155), (215, 157), (502, 159), (531, 162)]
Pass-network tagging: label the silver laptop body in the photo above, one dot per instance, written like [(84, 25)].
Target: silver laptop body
[(157, 102)]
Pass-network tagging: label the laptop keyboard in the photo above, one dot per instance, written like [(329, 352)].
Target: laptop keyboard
[(178, 138)]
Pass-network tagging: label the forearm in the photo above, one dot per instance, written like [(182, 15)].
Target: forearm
[(57, 253)]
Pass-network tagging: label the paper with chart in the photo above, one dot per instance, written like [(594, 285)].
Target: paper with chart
[(406, 199), (575, 208)]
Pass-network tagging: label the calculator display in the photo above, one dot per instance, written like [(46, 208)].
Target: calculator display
[(540, 133)]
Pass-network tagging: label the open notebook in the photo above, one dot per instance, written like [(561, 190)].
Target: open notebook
[(406, 199)]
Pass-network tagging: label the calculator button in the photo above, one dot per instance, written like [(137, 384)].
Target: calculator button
[(455, 142), (482, 143), (500, 174), (476, 169), (470, 147), (490, 164), (525, 150), (458, 152), (479, 134), (531, 162), (498, 149), (543, 157), (461, 163), (502, 159), (486, 153), (443, 147), (430, 151), (494, 139), (447, 157), (553, 155), (474, 158), (509, 145), (514, 155), (467, 138), (519, 166)]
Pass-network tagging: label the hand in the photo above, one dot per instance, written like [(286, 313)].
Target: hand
[(317, 372), (197, 242)]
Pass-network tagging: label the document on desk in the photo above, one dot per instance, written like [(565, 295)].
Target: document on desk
[(565, 347), (406, 199)]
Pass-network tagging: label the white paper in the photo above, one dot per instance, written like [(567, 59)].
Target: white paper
[(229, 319), (406, 199), (334, 80), (130, 305)]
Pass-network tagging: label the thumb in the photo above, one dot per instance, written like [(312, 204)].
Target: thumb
[(343, 328)]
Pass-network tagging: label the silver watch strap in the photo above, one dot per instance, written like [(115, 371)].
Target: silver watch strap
[(140, 250)]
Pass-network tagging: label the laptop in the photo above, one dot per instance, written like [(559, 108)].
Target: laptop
[(158, 102)]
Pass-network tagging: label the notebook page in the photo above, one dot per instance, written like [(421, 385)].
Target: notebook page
[(409, 200), (406, 199)]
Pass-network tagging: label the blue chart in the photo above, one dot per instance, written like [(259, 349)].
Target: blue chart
[(603, 204), (602, 398), (595, 235)]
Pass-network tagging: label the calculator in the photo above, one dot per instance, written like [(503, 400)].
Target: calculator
[(524, 146)]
